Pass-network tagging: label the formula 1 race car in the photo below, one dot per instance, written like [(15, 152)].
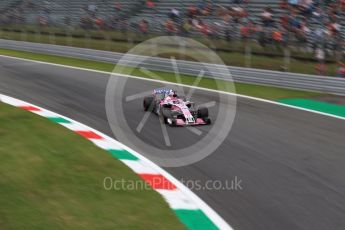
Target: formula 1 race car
[(175, 111)]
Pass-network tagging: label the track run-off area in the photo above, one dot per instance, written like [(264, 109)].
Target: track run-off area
[(290, 162)]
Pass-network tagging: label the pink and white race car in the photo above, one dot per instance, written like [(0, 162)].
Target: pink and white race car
[(174, 110)]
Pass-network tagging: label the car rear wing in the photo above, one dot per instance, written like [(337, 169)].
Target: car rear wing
[(162, 91)]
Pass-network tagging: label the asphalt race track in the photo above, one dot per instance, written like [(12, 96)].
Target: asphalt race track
[(291, 162)]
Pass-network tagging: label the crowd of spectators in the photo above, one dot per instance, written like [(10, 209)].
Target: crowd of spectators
[(341, 69), (14, 14), (308, 25), (91, 19), (299, 22)]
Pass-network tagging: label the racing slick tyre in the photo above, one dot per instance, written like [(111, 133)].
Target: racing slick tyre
[(148, 103), (202, 112), (166, 113), (207, 120)]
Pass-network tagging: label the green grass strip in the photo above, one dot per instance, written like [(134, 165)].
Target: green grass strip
[(122, 155), (54, 179), (195, 219), (324, 107)]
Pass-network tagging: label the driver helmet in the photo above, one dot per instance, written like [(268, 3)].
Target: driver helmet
[(173, 94)]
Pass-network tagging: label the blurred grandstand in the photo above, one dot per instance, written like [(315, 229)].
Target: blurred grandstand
[(312, 26)]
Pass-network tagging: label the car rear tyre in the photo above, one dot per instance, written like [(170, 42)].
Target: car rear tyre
[(148, 103)]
